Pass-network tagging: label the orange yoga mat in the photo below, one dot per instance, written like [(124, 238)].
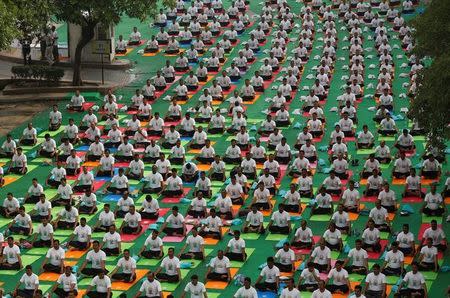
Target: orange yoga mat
[(123, 286)]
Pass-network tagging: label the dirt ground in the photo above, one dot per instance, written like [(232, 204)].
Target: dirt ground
[(12, 115)]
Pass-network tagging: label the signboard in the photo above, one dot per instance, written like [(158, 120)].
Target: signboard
[(101, 46)]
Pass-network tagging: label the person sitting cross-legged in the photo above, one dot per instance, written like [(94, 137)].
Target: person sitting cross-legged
[(171, 266), (196, 250), (54, 259), (97, 258), (219, 268), (102, 284), (127, 266), (271, 275)]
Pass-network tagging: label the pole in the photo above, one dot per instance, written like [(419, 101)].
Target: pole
[(103, 72)]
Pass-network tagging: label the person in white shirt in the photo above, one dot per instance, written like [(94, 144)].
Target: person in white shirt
[(102, 285), (118, 184), (246, 291), (437, 234), (433, 204), (235, 249), (174, 224), (280, 222), (173, 186), (131, 222), (11, 256), (30, 282), (271, 276), (34, 192), (48, 147), (415, 284), (310, 276), (374, 184), (431, 168), (428, 257), (219, 268), (171, 267), (54, 259), (45, 234), (323, 204), (212, 226), (365, 139), (371, 164), (42, 209), (406, 243), (321, 292), (187, 126), (254, 222), (77, 101), (371, 237), (196, 250), (194, 288), (359, 259), (153, 247), (393, 261), (150, 287), (18, 164), (21, 224), (29, 136), (375, 285), (285, 258), (380, 216), (405, 142), (66, 285), (111, 243), (387, 198), (197, 208), (97, 258), (333, 237), (150, 208), (10, 206), (67, 218), (83, 235), (135, 37), (55, 118), (126, 268), (121, 46), (341, 282), (88, 203), (105, 220)]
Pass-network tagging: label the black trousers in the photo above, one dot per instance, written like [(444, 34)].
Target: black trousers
[(92, 271), (52, 268), (63, 294), (218, 276), (151, 254), (126, 277), (169, 278), (266, 286)]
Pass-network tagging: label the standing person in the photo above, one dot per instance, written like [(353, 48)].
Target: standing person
[(55, 50)]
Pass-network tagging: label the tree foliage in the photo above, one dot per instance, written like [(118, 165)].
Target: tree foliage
[(8, 30), (431, 105), (89, 13)]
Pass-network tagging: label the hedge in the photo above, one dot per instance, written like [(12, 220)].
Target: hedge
[(38, 72)]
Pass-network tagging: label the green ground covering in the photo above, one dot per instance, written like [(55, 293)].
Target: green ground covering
[(146, 67)]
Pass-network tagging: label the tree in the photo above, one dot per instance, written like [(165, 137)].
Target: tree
[(8, 30), (90, 13), (431, 104)]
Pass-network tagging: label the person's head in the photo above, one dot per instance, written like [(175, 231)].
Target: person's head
[(414, 267), (22, 210), (68, 270), (247, 282), (171, 252), (376, 269), (433, 224), (112, 229), (429, 242), (394, 246), (358, 290), (175, 210), (96, 245)]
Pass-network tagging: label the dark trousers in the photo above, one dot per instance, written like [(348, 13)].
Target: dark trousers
[(63, 294), (151, 254), (42, 243), (218, 276), (52, 268), (169, 278), (279, 230), (266, 286), (126, 277)]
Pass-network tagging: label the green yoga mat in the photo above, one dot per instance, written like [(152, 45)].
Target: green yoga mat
[(29, 259), (429, 275), (392, 280), (386, 139), (320, 217), (38, 251), (250, 236), (428, 219), (276, 237), (365, 151), (238, 264), (170, 287), (356, 277)]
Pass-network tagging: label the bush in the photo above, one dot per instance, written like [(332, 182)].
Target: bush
[(38, 72)]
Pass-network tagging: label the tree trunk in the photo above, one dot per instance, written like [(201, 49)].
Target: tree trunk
[(87, 34)]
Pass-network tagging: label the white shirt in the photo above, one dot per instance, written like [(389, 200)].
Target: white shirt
[(153, 244), (127, 265), (96, 258), (120, 181), (150, 289), (321, 256), (11, 253), (394, 259), (255, 219), (101, 284), (376, 282), (339, 277), (270, 274), (220, 265), (195, 291), (170, 265), (195, 243), (236, 246), (55, 256), (414, 281), (132, 220), (175, 221), (112, 240), (67, 281), (45, 231), (318, 294), (30, 282), (281, 219), (358, 256), (246, 293), (82, 233)]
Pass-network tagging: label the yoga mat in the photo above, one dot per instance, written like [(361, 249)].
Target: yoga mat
[(238, 264), (220, 284), (123, 286)]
